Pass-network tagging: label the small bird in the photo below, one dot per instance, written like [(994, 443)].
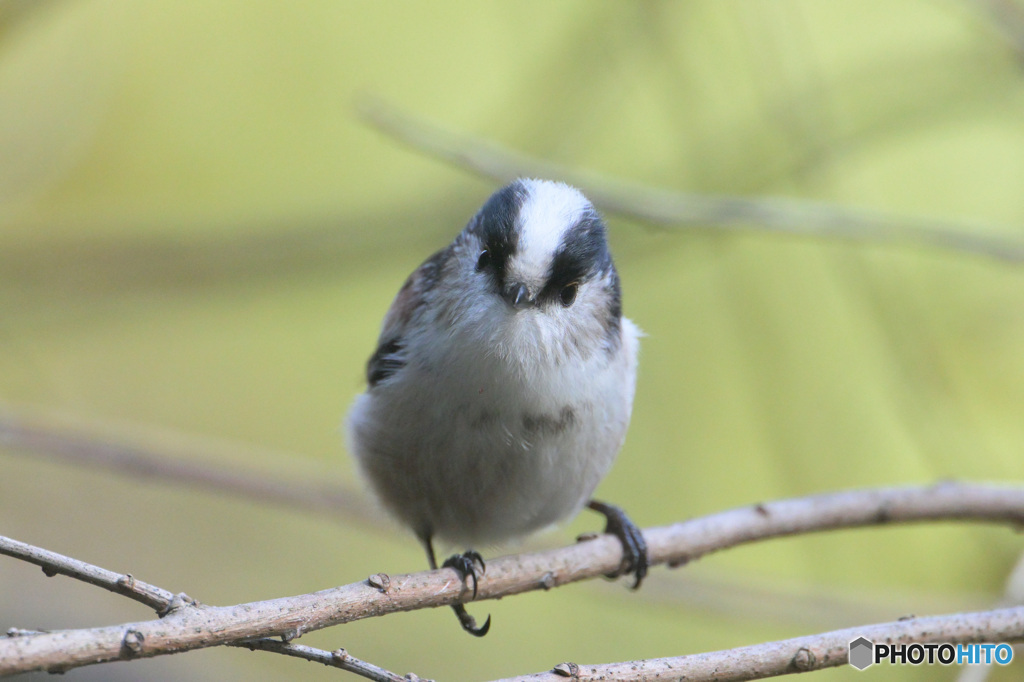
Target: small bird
[(502, 384)]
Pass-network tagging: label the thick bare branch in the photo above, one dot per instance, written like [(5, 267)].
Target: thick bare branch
[(799, 655), (191, 626), (702, 211)]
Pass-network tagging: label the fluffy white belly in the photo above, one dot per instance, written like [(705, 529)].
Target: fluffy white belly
[(482, 456)]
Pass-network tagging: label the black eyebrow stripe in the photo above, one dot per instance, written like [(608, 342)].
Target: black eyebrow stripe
[(583, 251), (497, 224)]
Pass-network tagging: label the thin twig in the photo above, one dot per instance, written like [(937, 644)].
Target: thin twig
[(799, 655), (701, 211), (339, 658), (58, 564), (196, 626), (164, 602)]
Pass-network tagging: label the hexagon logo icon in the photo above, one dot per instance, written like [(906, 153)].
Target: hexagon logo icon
[(862, 653)]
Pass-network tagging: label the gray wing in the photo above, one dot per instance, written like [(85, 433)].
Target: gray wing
[(390, 356)]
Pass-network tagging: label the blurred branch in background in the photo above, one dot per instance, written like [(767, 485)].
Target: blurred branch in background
[(189, 625), (91, 263), (48, 436), (695, 211), (1006, 17)]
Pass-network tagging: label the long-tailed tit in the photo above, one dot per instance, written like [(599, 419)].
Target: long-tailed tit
[(502, 383)]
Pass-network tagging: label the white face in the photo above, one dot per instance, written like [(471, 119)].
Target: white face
[(541, 282), (548, 213)]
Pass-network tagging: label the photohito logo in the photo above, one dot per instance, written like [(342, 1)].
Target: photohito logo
[(864, 653)]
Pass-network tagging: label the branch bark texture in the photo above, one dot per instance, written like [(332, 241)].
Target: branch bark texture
[(798, 655)]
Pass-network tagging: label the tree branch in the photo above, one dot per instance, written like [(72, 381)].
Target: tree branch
[(798, 655), (191, 626), (339, 658), (58, 564), (164, 602), (663, 207)]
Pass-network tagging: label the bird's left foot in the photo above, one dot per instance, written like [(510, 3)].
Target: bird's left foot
[(466, 566), (634, 548)]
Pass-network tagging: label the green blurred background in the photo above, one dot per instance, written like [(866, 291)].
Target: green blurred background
[(199, 236)]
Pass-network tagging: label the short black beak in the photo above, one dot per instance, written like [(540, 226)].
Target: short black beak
[(518, 296)]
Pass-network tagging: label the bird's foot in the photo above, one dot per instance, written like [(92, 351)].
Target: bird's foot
[(634, 548), (466, 566)]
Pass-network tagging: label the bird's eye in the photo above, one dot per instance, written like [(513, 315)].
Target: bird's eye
[(483, 260), (568, 294)]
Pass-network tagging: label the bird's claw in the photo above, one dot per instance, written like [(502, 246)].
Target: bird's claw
[(468, 622), (466, 566), (634, 547)]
